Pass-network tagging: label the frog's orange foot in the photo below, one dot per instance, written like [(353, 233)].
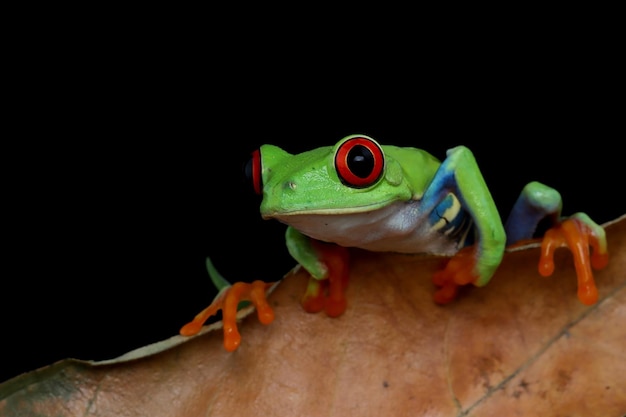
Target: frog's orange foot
[(320, 295), (228, 301), (578, 233), (329, 294), (459, 270)]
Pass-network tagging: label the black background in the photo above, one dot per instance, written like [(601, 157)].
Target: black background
[(124, 172)]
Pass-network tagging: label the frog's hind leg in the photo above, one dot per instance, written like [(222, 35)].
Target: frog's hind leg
[(230, 299), (535, 203), (578, 233)]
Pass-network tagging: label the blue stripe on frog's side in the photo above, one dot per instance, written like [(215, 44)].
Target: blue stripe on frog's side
[(450, 219)]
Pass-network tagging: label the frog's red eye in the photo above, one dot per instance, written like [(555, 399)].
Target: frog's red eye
[(252, 171), (359, 162)]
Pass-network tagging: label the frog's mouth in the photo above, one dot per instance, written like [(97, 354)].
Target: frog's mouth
[(396, 226), (322, 211), (336, 223)]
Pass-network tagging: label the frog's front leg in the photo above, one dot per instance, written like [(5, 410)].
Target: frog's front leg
[(459, 179), (229, 300), (328, 267), (578, 233)]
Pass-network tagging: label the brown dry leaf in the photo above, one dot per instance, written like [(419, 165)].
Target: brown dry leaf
[(523, 345)]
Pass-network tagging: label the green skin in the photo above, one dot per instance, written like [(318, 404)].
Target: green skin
[(305, 192), (360, 194)]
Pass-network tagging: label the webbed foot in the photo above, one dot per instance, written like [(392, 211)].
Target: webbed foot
[(578, 233), (228, 301), (459, 270), (328, 294)]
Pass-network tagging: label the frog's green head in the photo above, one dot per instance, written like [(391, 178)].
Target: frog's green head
[(355, 175)]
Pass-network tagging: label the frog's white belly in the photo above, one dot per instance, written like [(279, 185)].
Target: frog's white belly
[(398, 227)]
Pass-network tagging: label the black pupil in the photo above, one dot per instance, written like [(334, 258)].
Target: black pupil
[(360, 161)]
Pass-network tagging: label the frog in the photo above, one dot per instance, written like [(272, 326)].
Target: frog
[(360, 194)]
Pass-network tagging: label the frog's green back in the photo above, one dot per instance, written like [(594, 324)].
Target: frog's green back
[(418, 166)]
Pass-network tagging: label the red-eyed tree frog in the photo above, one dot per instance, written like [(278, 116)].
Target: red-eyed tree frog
[(361, 194)]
